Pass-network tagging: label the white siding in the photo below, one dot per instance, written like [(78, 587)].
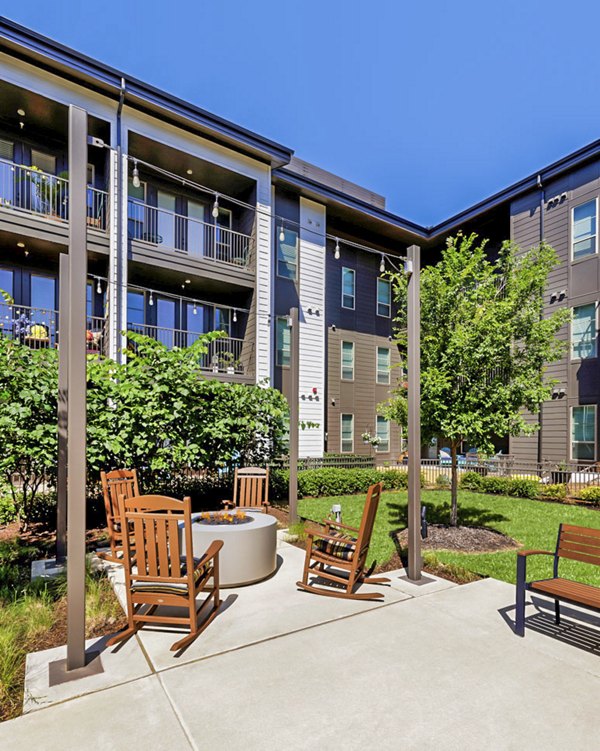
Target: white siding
[(263, 279), (312, 325)]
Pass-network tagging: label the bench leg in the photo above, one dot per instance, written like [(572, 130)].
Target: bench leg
[(520, 599), (557, 612)]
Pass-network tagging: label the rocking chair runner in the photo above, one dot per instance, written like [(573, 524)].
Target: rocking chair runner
[(118, 482), (156, 573), (250, 489), (344, 549)]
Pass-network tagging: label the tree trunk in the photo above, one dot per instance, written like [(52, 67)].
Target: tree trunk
[(454, 486)]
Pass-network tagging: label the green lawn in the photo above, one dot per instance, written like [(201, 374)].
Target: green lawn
[(534, 524)]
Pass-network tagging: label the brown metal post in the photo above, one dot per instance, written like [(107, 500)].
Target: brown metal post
[(76, 379), (63, 406), (414, 412), (294, 401)]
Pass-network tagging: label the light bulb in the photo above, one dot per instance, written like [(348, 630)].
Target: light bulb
[(235, 316), (382, 264), (151, 299), (195, 309), (336, 254), (281, 235), (99, 287), (136, 176), (215, 209)]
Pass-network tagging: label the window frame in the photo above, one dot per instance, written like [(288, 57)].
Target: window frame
[(342, 415), (378, 449), (571, 423), (342, 376), (389, 304), (389, 367), (572, 232), (573, 358), (279, 259), (277, 350), (353, 272)]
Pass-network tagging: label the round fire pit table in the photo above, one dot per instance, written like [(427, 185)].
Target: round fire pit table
[(249, 546)]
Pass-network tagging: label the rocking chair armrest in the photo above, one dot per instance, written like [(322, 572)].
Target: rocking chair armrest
[(210, 553), (323, 536), (524, 553), (329, 523)]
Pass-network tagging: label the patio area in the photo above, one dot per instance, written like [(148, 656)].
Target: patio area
[(435, 665)]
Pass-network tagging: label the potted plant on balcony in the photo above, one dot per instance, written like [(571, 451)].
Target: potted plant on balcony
[(48, 191), (229, 362)]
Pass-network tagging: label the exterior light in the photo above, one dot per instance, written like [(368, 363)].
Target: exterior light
[(151, 299), (26, 252), (382, 264), (136, 175), (215, 209), (21, 112), (195, 309), (281, 234), (408, 266), (20, 245), (234, 315), (336, 253), (188, 281), (99, 286), (190, 172)]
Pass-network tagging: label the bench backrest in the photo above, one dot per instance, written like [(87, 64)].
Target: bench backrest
[(578, 544)]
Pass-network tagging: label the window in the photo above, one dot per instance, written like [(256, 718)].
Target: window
[(43, 292), (6, 285), (135, 311), (383, 365), (583, 433), (384, 298), (195, 321), (347, 361), (348, 288), (6, 150), (284, 339), (287, 254), (45, 162), (383, 433), (7, 176), (347, 422), (223, 320), (584, 230), (583, 332)]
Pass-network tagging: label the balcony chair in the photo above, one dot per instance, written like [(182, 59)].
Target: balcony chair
[(157, 574), (118, 482), (338, 556), (250, 489)]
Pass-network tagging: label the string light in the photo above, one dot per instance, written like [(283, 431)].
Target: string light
[(234, 315), (195, 309), (336, 253), (99, 286), (215, 209), (136, 175), (151, 299), (382, 264), (281, 234)]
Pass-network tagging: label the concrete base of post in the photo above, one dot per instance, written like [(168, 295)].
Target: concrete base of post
[(58, 673)]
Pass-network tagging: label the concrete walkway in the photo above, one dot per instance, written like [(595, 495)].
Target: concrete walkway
[(435, 666)]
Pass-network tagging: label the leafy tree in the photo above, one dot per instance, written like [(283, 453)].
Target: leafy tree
[(485, 343)]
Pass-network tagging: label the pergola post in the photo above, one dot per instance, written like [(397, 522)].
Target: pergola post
[(294, 400), (63, 406), (413, 270)]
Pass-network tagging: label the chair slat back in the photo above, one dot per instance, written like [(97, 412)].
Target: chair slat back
[(114, 484), (368, 519), (579, 544), (154, 522), (250, 487)]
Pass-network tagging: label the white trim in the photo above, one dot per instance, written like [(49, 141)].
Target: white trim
[(577, 406), (347, 307), (389, 305), (572, 230), (342, 378), (596, 311), (342, 415), (379, 450), (277, 363), (389, 367), (282, 260)]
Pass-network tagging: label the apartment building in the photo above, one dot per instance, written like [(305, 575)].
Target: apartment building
[(197, 224)]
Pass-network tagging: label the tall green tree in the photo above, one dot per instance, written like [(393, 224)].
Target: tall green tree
[(485, 344)]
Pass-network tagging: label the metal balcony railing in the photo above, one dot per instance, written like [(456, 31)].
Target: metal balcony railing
[(38, 328), (224, 355), (185, 234), (36, 192)]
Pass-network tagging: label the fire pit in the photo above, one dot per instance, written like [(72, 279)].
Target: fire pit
[(249, 544)]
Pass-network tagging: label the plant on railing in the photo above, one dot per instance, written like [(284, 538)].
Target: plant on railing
[(50, 191)]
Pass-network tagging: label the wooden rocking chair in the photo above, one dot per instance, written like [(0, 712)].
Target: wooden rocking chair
[(343, 550), (114, 484), (156, 574), (250, 489)]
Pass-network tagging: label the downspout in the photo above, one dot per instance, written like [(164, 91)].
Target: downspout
[(540, 442), (119, 212)]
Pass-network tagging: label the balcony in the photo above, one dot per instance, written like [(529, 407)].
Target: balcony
[(30, 190), (192, 237), (38, 328)]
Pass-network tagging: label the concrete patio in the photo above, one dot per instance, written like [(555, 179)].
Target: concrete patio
[(434, 666)]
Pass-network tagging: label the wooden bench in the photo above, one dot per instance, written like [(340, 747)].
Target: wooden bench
[(576, 544)]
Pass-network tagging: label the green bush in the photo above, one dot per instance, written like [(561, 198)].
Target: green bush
[(554, 492), (471, 481), (442, 481), (524, 488), (591, 495), (8, 512)]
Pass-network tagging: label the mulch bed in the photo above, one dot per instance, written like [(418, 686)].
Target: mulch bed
[(462, 539)]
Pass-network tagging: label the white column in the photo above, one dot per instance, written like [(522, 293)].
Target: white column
[(312, 326), (263, 250), (112, 291)]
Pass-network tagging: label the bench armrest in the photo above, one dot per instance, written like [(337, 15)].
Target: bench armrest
[(524, 553)]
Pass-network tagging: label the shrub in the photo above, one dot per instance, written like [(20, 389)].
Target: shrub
[(442, 481), (524, 488), (591, 495), (471, 481), (554, 492), (8, 512)]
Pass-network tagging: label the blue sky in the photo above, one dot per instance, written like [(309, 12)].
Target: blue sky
[(433, 104)]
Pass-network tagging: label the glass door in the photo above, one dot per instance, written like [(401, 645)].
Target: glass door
[(166, 219), (42, 314), (165, 321), (195, 228)]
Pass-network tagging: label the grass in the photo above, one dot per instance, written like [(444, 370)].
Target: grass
[(534, 524), (29, 611)]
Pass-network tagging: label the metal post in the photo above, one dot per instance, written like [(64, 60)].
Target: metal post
[(414, 413), (63, 406), (294, 400), (76, 445)]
